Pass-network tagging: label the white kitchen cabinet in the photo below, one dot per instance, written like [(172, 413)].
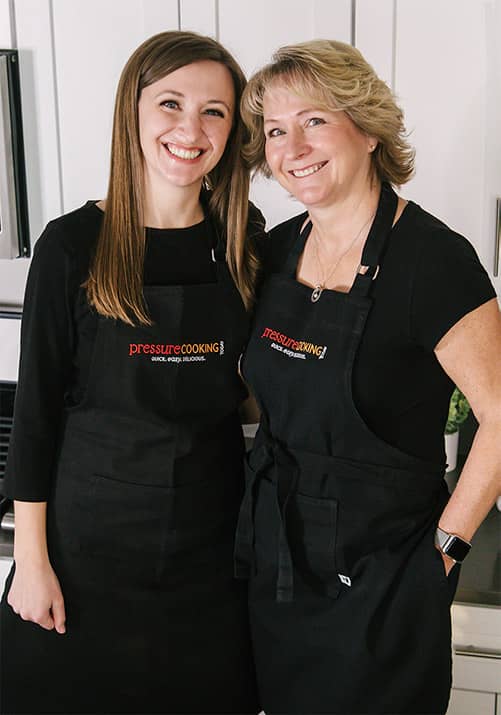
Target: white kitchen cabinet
[(69, 83), (492, 135), (377, 47), (448, 80), (476, 680), (252, 32), (471, 672), (466, 702), (6, 42), (199, 16), (87, 74), (443, 95), (476, 626), (441, 56)]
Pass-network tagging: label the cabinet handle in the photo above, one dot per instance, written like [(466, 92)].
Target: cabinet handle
[(498, 237), (477, 652)]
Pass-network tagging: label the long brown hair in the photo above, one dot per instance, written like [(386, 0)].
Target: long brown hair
[(115, 283)]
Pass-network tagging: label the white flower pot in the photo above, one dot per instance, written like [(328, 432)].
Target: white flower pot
[(451, 450)]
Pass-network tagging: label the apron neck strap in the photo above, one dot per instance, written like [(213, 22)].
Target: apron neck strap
[(298, 246), (218, 245), (374, 245), (376, 241)]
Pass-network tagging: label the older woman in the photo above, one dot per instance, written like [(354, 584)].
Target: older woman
[(347, 532)]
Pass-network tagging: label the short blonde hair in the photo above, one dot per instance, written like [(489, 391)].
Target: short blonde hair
[(335, 76)]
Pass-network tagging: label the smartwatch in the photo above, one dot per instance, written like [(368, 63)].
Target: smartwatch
[(452, 545)]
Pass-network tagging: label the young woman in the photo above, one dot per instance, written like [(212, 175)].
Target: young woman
[(126, 456), (359, 336)]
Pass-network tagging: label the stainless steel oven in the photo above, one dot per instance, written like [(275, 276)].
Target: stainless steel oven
[(10, 328)]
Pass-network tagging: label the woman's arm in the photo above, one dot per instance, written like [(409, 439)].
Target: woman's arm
[(44, 373), (470, 353), (35, 593)]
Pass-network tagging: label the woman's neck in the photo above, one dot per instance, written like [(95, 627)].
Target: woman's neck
[(172, 206), (336, 224)]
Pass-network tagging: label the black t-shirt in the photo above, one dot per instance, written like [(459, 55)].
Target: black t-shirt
[(59, 329), (429, 278)]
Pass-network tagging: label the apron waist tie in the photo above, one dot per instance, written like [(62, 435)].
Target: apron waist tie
[(243, 558), (284, 468), (286, 474)]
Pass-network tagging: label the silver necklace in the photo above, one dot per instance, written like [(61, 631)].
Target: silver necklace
[(321, 285)]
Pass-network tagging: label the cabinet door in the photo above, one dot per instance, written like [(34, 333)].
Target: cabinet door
[(252, 31), (377, 46), (92, 41), (469, 702), (492, 139), (440, 80), (199, 16)]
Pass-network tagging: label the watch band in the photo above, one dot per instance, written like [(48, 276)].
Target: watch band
[(452, 545)]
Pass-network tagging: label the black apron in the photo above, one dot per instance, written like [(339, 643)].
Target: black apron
[(141, 523), (349, 601)]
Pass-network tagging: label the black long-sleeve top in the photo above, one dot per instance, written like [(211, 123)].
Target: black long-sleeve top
[(59, 329)]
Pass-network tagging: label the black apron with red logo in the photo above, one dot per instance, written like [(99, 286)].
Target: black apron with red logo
[(349, 601), (141, 523)]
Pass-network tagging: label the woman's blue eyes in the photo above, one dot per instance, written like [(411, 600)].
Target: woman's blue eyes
[(172, 104), (214, 112), (315, 121), (312, 122)]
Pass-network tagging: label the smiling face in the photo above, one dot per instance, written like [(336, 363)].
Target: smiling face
[(319, 156), (185, 120)]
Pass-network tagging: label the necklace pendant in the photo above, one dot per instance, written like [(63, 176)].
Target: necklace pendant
[(316, 293)]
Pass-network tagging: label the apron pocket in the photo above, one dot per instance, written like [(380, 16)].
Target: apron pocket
[(445, 584), (312, 533), (117, 520)]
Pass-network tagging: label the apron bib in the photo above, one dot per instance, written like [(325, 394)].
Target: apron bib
[(349, 600), (141, 522)]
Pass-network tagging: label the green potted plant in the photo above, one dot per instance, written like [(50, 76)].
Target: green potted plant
[(459, 409)]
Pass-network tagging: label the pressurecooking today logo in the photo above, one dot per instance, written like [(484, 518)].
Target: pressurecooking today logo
[(293, 348), (176, 352)]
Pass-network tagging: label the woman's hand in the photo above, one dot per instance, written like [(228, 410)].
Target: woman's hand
[(35, 594), (448, 562)]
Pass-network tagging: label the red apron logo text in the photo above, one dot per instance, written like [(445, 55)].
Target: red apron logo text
[(293, 348), (176, 353)]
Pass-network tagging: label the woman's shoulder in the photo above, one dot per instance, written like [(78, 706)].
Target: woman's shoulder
[(72, 233), (445, 278), (421, 232), (66, 245)]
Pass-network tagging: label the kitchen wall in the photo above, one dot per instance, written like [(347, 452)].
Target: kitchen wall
[(439, 56)]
